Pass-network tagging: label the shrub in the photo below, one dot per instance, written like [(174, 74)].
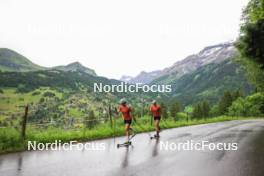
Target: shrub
[(42, 100), (181, 116), (252, 105), (22, 89), (35, 93), (49, 94)]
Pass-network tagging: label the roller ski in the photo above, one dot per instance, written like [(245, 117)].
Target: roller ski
[(126, 144), (155, 137)]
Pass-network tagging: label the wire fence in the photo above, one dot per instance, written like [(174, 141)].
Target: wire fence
[(111, 119), (24, 125)]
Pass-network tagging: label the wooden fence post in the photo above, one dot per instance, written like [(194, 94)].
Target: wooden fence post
[(110, 115), (24, 123)]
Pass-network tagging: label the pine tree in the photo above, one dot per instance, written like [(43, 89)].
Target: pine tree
[(197, 111), (200, 111), (205, 109), (174, 109), (225, 102), (238, 93), (251, 42), (164, 110)]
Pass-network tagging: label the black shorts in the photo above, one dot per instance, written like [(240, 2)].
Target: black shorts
[(156, 117), (127, 122)]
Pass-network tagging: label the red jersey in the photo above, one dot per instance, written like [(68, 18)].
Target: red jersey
[(125, 110), (155, 109)]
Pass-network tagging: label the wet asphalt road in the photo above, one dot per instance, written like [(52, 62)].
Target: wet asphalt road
[(145, 157)]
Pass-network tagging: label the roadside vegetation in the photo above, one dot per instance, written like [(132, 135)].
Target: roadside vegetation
[(10, 138)]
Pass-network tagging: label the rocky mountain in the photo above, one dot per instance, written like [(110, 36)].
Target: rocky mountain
[(76, 67), (210, 54), (12, 61), (205, 76), (143, 77), (126, 78)]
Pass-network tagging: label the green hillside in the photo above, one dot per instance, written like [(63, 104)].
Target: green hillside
[(12, 61), (56, 95), (51, 78), (76, 66), (208, 82)]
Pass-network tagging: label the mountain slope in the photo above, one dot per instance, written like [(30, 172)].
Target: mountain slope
[(209, 82), (12, 61), (210, 54), (56, 95), (76, 66), (206, 75), (126, 78), (143, 77)]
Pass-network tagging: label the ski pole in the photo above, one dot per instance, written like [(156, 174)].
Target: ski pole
[(151, 120), (133, 135), (116, 114)]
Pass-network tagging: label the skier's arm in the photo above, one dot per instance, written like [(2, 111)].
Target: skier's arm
[(116, 111)]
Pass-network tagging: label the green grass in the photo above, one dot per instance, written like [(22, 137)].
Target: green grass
[(10, 139), (74, 112), (13, 103), (10, 100)]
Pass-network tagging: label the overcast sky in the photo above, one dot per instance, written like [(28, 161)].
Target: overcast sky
[(116, 37)]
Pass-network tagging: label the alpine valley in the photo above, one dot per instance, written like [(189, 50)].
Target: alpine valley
[(68, 90)]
